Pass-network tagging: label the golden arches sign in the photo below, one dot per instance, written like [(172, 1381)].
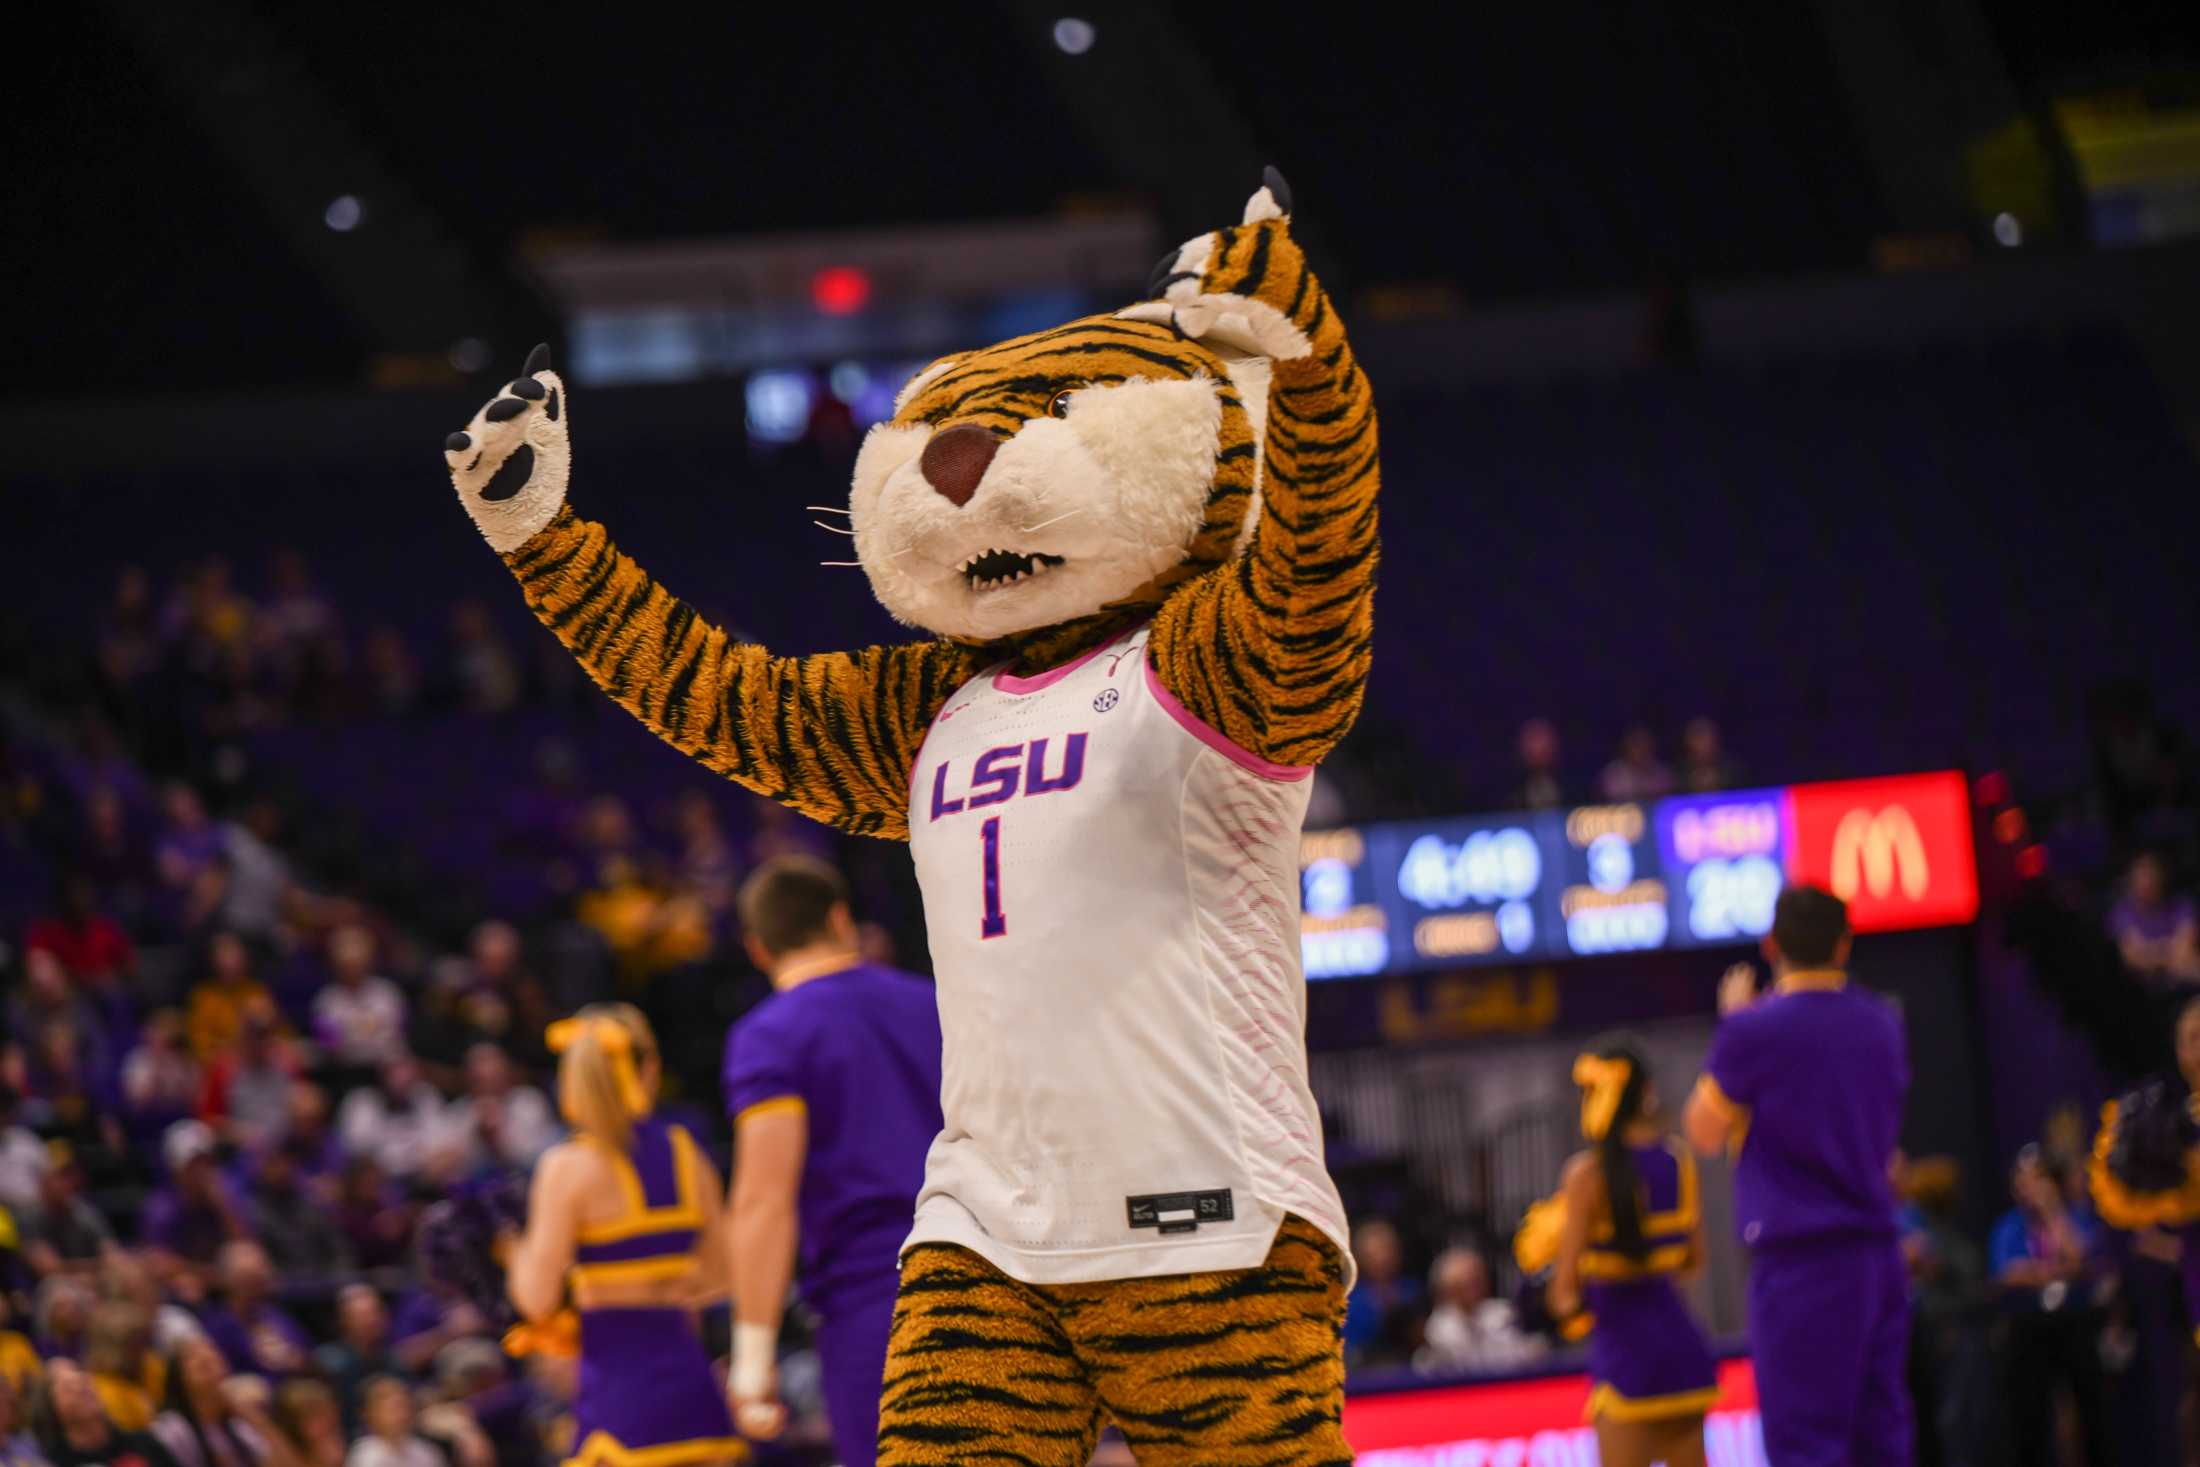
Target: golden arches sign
[(1873, 850)]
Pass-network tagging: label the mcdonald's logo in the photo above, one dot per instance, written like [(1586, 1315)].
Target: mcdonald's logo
[(1874, 849), (1898, 850)]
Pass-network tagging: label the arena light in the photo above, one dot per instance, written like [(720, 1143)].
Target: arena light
[(840, 290), (344, 213), (779, 405), (1074, 37), (2008, 230)]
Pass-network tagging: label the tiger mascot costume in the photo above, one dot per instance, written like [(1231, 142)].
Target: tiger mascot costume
[(1143, 546)]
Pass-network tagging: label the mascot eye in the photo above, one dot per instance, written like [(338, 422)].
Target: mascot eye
[(1058, 405)]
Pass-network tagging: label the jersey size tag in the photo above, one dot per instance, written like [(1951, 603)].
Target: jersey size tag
[(1180, 1212)]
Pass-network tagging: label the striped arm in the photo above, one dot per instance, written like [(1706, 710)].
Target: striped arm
[(1273, 649), (833, 735)]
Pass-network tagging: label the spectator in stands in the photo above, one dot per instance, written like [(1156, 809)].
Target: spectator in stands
[(484, 675), (290, 1221), (504, 1123), (401, 1121), (129, 643), (188, 1221), (2047, 1257), (391, 1440), (212, 1419), (2157, 932), (1637, 773), (23, 1156), (1383, 1313), (361, 1349), (392, 677), (310, 1142), (254, 1333), (1467, 1329), (73, 1430), (62, 1231), (259, 879), (64, 1310), (162, 1081), (118, 1357), (20, 1366), (307, 1413), (18, 1448), (91, 945), (247, 1094), (296, 615), (375, 1223), (1705, 766), (49, 1001), (218, 1004), (1541, 786), (360, 1017), (69, 1103), (189, 844), (778, 831), (109, 853), (456, 1012), (128, 1277)]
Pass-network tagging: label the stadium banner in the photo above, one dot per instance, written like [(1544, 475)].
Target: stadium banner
[(1527, 1423), (1695, 871)]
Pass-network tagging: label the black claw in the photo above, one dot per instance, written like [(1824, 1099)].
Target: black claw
[(528, 388), (511, 475), (504, 408), (457, 443), (1277, 186), (538, 360)]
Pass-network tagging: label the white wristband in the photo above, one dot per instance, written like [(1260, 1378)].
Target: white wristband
[(755, 1348)]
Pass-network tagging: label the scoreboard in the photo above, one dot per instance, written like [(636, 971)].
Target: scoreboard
[(1692, 871)]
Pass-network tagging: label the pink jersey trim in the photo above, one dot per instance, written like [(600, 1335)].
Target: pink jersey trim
[(1008, 682), (1221, 743)]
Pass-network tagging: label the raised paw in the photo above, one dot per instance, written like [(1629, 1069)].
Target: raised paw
[(511, 462), (1246, 287)]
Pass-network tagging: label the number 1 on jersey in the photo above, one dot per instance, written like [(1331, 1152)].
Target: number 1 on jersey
[(989, 842)]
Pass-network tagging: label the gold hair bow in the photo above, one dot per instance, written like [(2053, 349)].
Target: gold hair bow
[(1602, 1082), (618, 1042)]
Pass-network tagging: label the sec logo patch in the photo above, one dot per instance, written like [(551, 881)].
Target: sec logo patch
[(1105, 699)]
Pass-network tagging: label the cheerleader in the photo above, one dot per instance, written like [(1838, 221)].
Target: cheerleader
[(1629, 1225), (626, 1215)]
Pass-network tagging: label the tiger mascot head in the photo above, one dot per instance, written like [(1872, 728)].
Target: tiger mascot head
[(1072, 476)]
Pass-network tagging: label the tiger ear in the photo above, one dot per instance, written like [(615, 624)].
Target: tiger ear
[(923, 379), (1272, 200)]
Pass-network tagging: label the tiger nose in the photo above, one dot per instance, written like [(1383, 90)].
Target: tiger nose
[(954, 461)]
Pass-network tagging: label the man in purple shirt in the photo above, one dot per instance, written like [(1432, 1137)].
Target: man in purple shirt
[(1806, 1087), (254, 1333), (833, 1083)]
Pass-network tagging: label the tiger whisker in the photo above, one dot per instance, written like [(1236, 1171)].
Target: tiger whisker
[(840, 562), (828, 509), (836, 529), (1065, 515)]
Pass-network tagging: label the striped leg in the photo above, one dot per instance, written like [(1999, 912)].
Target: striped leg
[(1243, 1368), (979, 1371)]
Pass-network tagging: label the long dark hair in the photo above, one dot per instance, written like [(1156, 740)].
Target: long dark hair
[(176, 1397), (1615, 1159)]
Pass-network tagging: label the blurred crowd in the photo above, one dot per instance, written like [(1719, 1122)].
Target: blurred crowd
[(1636, 770), (230, 1084)]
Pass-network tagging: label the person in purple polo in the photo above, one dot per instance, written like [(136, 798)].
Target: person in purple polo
[(833, 1083), (1805, 1087)]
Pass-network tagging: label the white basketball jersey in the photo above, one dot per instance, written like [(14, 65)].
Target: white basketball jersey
[(1112, 894)]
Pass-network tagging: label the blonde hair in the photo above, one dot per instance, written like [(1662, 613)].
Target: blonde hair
[(116, 1339), (607, 1070)]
